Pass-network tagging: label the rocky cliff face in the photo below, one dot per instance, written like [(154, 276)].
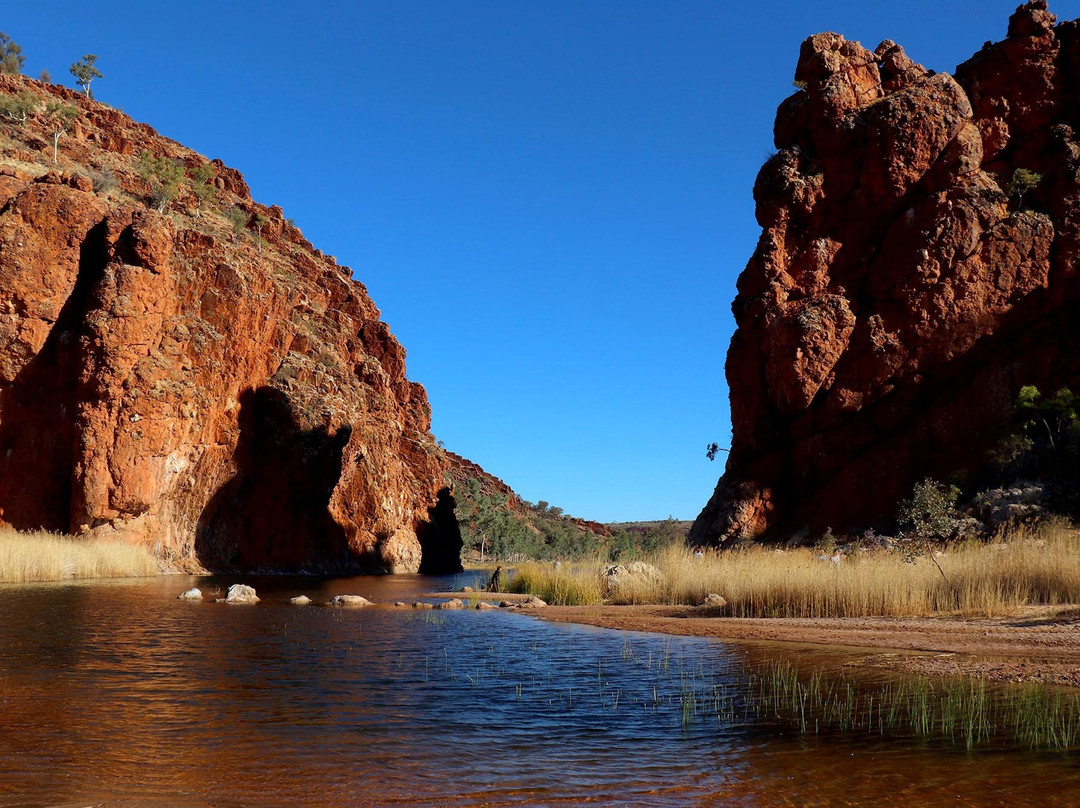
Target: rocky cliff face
[(901, 294), (199, 380)]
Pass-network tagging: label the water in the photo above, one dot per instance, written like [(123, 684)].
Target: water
[(118, 694)]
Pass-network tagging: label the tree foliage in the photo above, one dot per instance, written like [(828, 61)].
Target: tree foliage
[(493, 528), (929, 516), (58, 118), (85, 72), (1021, 182), (11, 56)]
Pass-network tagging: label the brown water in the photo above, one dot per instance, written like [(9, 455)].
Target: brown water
[(118, 694)]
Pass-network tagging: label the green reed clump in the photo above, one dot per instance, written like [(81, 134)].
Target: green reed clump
[(563, 585), (958, 711)]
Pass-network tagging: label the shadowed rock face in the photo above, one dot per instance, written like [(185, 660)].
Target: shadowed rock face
[(232, 402), (898, 298)]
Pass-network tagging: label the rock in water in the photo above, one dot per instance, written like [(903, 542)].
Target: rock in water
[(902, 290), (191, 594), (241, 593), (453, 603), (349, 601), (300, 600)]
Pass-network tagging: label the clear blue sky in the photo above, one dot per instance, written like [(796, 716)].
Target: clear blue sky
[(550, 200)]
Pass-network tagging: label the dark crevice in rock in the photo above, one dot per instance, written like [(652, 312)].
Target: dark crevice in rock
[(38, 430), (273, 514)]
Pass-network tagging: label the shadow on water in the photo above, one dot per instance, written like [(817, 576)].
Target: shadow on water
[(274, 513)]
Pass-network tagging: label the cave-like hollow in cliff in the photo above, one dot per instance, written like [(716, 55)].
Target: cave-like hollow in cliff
[(273, 514)]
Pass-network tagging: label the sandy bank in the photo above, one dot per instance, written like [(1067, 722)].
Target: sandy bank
[(1041, 644)]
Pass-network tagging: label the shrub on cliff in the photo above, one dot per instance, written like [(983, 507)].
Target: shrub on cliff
[(11, 56), (18, 108), (164, 177)]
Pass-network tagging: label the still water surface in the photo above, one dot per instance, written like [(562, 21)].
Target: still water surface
[(118, 694)]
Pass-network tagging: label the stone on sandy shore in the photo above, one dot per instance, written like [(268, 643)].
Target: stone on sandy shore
[(485, 605), (399, 604), (191, 594), (713, 600), (506, 604), (423, 605), (349, 601), (532, 603), (466, 589), (300, 600), (455, 603)]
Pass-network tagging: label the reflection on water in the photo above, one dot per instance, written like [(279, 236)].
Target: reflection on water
[(119, 694)]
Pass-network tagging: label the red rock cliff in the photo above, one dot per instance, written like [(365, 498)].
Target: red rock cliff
[(898, 297), (198, 380)]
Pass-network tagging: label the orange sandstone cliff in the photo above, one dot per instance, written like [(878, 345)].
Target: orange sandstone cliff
[(198, 380), (900, 294)]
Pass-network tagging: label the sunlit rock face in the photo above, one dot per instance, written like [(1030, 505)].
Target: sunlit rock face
[(199, 380), (901, 293)]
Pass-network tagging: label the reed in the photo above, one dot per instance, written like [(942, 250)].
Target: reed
[(571, 584), (964, 712), (1028, 566), (41, 556)]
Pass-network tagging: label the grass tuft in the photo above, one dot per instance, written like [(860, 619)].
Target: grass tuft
[(1029, 566), (41, 556)]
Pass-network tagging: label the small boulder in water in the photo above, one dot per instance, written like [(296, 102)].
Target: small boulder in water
[(300, 600), (399, 604), (241, 593), (532, 603), (455, 603), (349, 601), (485, 605), (191, 594), (420, 604)]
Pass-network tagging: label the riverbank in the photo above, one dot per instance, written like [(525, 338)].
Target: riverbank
[(41, 556), (1039, 644)]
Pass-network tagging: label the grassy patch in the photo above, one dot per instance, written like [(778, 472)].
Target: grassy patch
[(28, 557), (1030, 566), (964, 712)]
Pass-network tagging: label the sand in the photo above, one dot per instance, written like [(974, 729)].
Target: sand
[(1041, 644)]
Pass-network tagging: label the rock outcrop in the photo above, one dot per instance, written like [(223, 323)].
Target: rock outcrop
[(199, 380), (903, 288)]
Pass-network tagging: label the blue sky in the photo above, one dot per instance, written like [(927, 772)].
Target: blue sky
[(549, 200)]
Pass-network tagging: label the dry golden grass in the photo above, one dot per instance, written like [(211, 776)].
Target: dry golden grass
[(1029, 566), (40, 556)]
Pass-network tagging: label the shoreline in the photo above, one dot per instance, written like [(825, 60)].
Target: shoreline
[(1041, 644)]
